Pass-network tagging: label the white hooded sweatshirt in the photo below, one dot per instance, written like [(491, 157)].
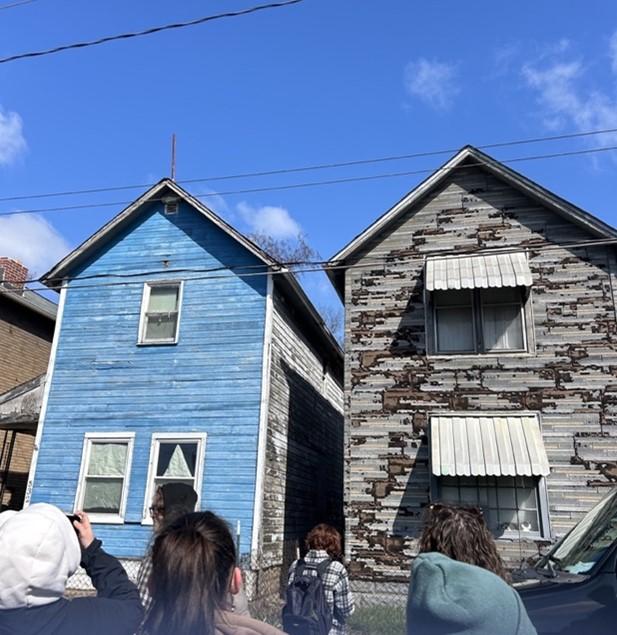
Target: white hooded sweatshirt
[(39, 551)]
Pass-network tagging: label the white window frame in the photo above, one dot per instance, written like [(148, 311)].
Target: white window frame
[(145, 300), (109, 437), (177, 437)]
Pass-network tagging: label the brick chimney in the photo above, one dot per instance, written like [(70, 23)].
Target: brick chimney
[(12, 272)]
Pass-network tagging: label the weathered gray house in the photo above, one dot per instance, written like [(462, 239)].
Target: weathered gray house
[(480, 362)]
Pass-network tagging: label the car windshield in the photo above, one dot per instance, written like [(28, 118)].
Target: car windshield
[(585, 545)]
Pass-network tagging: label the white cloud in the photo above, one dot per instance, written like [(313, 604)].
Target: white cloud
[(613, 52), (33, 241), (12, 141), (568, 99), (433, 82), (272, 221)]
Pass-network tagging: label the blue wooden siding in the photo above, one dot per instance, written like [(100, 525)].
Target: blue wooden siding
[(209, 382)]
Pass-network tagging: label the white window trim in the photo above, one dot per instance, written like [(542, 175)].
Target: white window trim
[(178, 437), (145, 298), (113, 519)]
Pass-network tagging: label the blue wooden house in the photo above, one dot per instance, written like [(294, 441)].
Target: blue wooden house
[(183, 352)]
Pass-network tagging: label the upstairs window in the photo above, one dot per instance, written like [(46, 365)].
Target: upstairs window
[(160, 313), (479, 320)]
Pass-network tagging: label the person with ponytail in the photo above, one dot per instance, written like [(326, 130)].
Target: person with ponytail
[(193, 571)]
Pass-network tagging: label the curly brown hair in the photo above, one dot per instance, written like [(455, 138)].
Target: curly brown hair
[(326, 538), (461, 534)]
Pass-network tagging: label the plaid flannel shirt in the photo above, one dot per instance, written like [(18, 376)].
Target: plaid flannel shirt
[(143, 578), (336, 587)]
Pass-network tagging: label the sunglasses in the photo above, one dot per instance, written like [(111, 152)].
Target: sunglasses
[(156, 510)]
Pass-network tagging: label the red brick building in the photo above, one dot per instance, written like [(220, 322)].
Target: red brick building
[(27, 322)]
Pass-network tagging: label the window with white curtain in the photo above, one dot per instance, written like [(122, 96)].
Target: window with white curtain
[(479, 320), (175, 458), (160, 313), (510, 505), (104, 476)]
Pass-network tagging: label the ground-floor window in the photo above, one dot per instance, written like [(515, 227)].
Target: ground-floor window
[(174, 458), (510, 504), (103, 481)]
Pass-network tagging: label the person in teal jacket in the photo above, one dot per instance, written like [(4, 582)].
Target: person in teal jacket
[(458, 582)]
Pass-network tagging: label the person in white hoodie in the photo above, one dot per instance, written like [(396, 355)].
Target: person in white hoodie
[(39, 551)]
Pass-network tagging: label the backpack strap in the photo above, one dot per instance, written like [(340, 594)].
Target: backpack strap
[(322, 567), (300, 567)]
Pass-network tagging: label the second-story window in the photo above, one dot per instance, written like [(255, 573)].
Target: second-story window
[(479, 320), (478, 303), (160, 313)]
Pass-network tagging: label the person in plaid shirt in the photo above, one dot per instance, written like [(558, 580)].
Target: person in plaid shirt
[(170, 501), (324, 543)]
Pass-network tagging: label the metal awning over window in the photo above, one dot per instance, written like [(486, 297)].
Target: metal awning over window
[(487, 446), (478, 272)]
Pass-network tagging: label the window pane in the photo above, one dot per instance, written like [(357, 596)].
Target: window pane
[(177, 460), (469, 496), (161, 327), (449, 494), (507, 497), (502, 327), (527, 498), (103, 495), (528, 521), (163, 299), (455, 330), (501, 295), (452, 298), (107, 459), (163, 481), (508, 520)]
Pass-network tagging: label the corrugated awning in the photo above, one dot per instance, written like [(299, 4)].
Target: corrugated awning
[(487, 446), (478, 272)]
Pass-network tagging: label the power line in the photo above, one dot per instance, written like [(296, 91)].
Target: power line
[(149, 31), (308, 184), (310, 266), (12, 5), (315, 167)]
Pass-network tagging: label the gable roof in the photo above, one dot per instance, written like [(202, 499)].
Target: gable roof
[(284, 279), (106, 233), (472, 157)]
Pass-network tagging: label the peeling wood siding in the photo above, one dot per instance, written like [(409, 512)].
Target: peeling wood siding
[(304, 467), (392, 386)]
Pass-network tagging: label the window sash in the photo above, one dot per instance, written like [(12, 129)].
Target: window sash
[(199, 439), (160, 326), (104, 504), (474, 335), (488, 493)]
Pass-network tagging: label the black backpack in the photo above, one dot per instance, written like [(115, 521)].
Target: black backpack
[(306, 611)]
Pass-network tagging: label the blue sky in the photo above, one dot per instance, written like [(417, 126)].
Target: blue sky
[(323, 81)]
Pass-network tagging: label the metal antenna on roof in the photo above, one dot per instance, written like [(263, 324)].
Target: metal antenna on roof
[(173, 156)]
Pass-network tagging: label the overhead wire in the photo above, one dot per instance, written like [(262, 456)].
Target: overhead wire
[(12, 5), (295, 267), (149, 31), (314, 167), (308, 184)]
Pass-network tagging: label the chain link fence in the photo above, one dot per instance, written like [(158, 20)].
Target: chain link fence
[(380, 606)]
